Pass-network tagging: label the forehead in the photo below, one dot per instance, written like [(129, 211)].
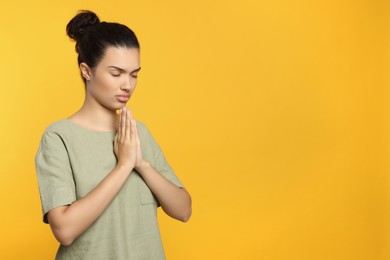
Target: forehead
[(126, 58)]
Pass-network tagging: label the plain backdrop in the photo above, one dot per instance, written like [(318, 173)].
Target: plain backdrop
[(274, 114)]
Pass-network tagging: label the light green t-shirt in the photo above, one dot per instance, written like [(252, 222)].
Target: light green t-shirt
[(71, 160)]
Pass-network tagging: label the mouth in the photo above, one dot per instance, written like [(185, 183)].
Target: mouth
[(123, 99)]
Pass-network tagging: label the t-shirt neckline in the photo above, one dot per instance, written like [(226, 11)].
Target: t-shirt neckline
[(86, 129)]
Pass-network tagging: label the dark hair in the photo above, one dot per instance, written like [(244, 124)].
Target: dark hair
[(93, 37)]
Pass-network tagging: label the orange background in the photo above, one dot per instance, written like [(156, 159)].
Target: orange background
[(274, 114)]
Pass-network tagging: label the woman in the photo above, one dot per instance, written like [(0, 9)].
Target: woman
[(101, 174)]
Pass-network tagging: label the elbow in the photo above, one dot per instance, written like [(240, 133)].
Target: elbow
[(186, 216), (182, 215), (64, 239), (188, 212), (60, 226), (185, 219), (65, 242)]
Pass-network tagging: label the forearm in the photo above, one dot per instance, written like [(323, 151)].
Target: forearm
[(175, 201), (71, 221)]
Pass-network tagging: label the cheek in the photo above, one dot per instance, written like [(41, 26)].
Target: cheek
[(106, 83)]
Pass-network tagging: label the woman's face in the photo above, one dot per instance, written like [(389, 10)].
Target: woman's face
[(113, 80)]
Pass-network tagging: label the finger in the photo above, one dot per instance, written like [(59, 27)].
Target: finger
[(131, 124), (128, 123), (123, 123), (119, 121), (118, 132), (136, 132), (133, 128)]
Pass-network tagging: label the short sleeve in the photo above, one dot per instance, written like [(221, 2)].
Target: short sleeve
[(55, 178), (161, 163)]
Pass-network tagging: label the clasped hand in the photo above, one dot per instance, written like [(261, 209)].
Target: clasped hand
[(127, 146)]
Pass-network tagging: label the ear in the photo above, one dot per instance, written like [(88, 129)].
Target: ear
[(85, 71)]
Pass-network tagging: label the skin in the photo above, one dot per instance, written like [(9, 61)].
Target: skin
[(98, 113)]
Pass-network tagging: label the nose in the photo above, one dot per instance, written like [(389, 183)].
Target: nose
[(127, 85)]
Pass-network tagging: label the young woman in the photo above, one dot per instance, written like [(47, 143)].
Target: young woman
[(102, 175)]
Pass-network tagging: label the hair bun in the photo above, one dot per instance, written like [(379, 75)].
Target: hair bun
[(84, 20)]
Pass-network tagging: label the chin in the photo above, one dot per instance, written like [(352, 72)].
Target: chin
[(123, 105), (115, 107)]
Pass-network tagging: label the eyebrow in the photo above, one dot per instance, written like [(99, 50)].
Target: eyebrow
[(123, 70)]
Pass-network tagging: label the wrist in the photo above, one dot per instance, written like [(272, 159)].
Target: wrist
[(127, 167), (142, 166)]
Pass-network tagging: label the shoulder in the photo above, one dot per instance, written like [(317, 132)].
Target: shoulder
[(140, 124), (54, 132), (142, 127), (144, 133), (58, 126), (52, 141)]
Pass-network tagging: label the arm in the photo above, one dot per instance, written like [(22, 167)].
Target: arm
[(175, 201), (69, 222)]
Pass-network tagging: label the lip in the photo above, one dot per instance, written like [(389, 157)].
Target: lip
[(122, 98)]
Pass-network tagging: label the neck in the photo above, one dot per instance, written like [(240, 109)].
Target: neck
[(97, 116)]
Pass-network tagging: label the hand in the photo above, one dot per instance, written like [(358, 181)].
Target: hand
[(126, 139), (139, 161)]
